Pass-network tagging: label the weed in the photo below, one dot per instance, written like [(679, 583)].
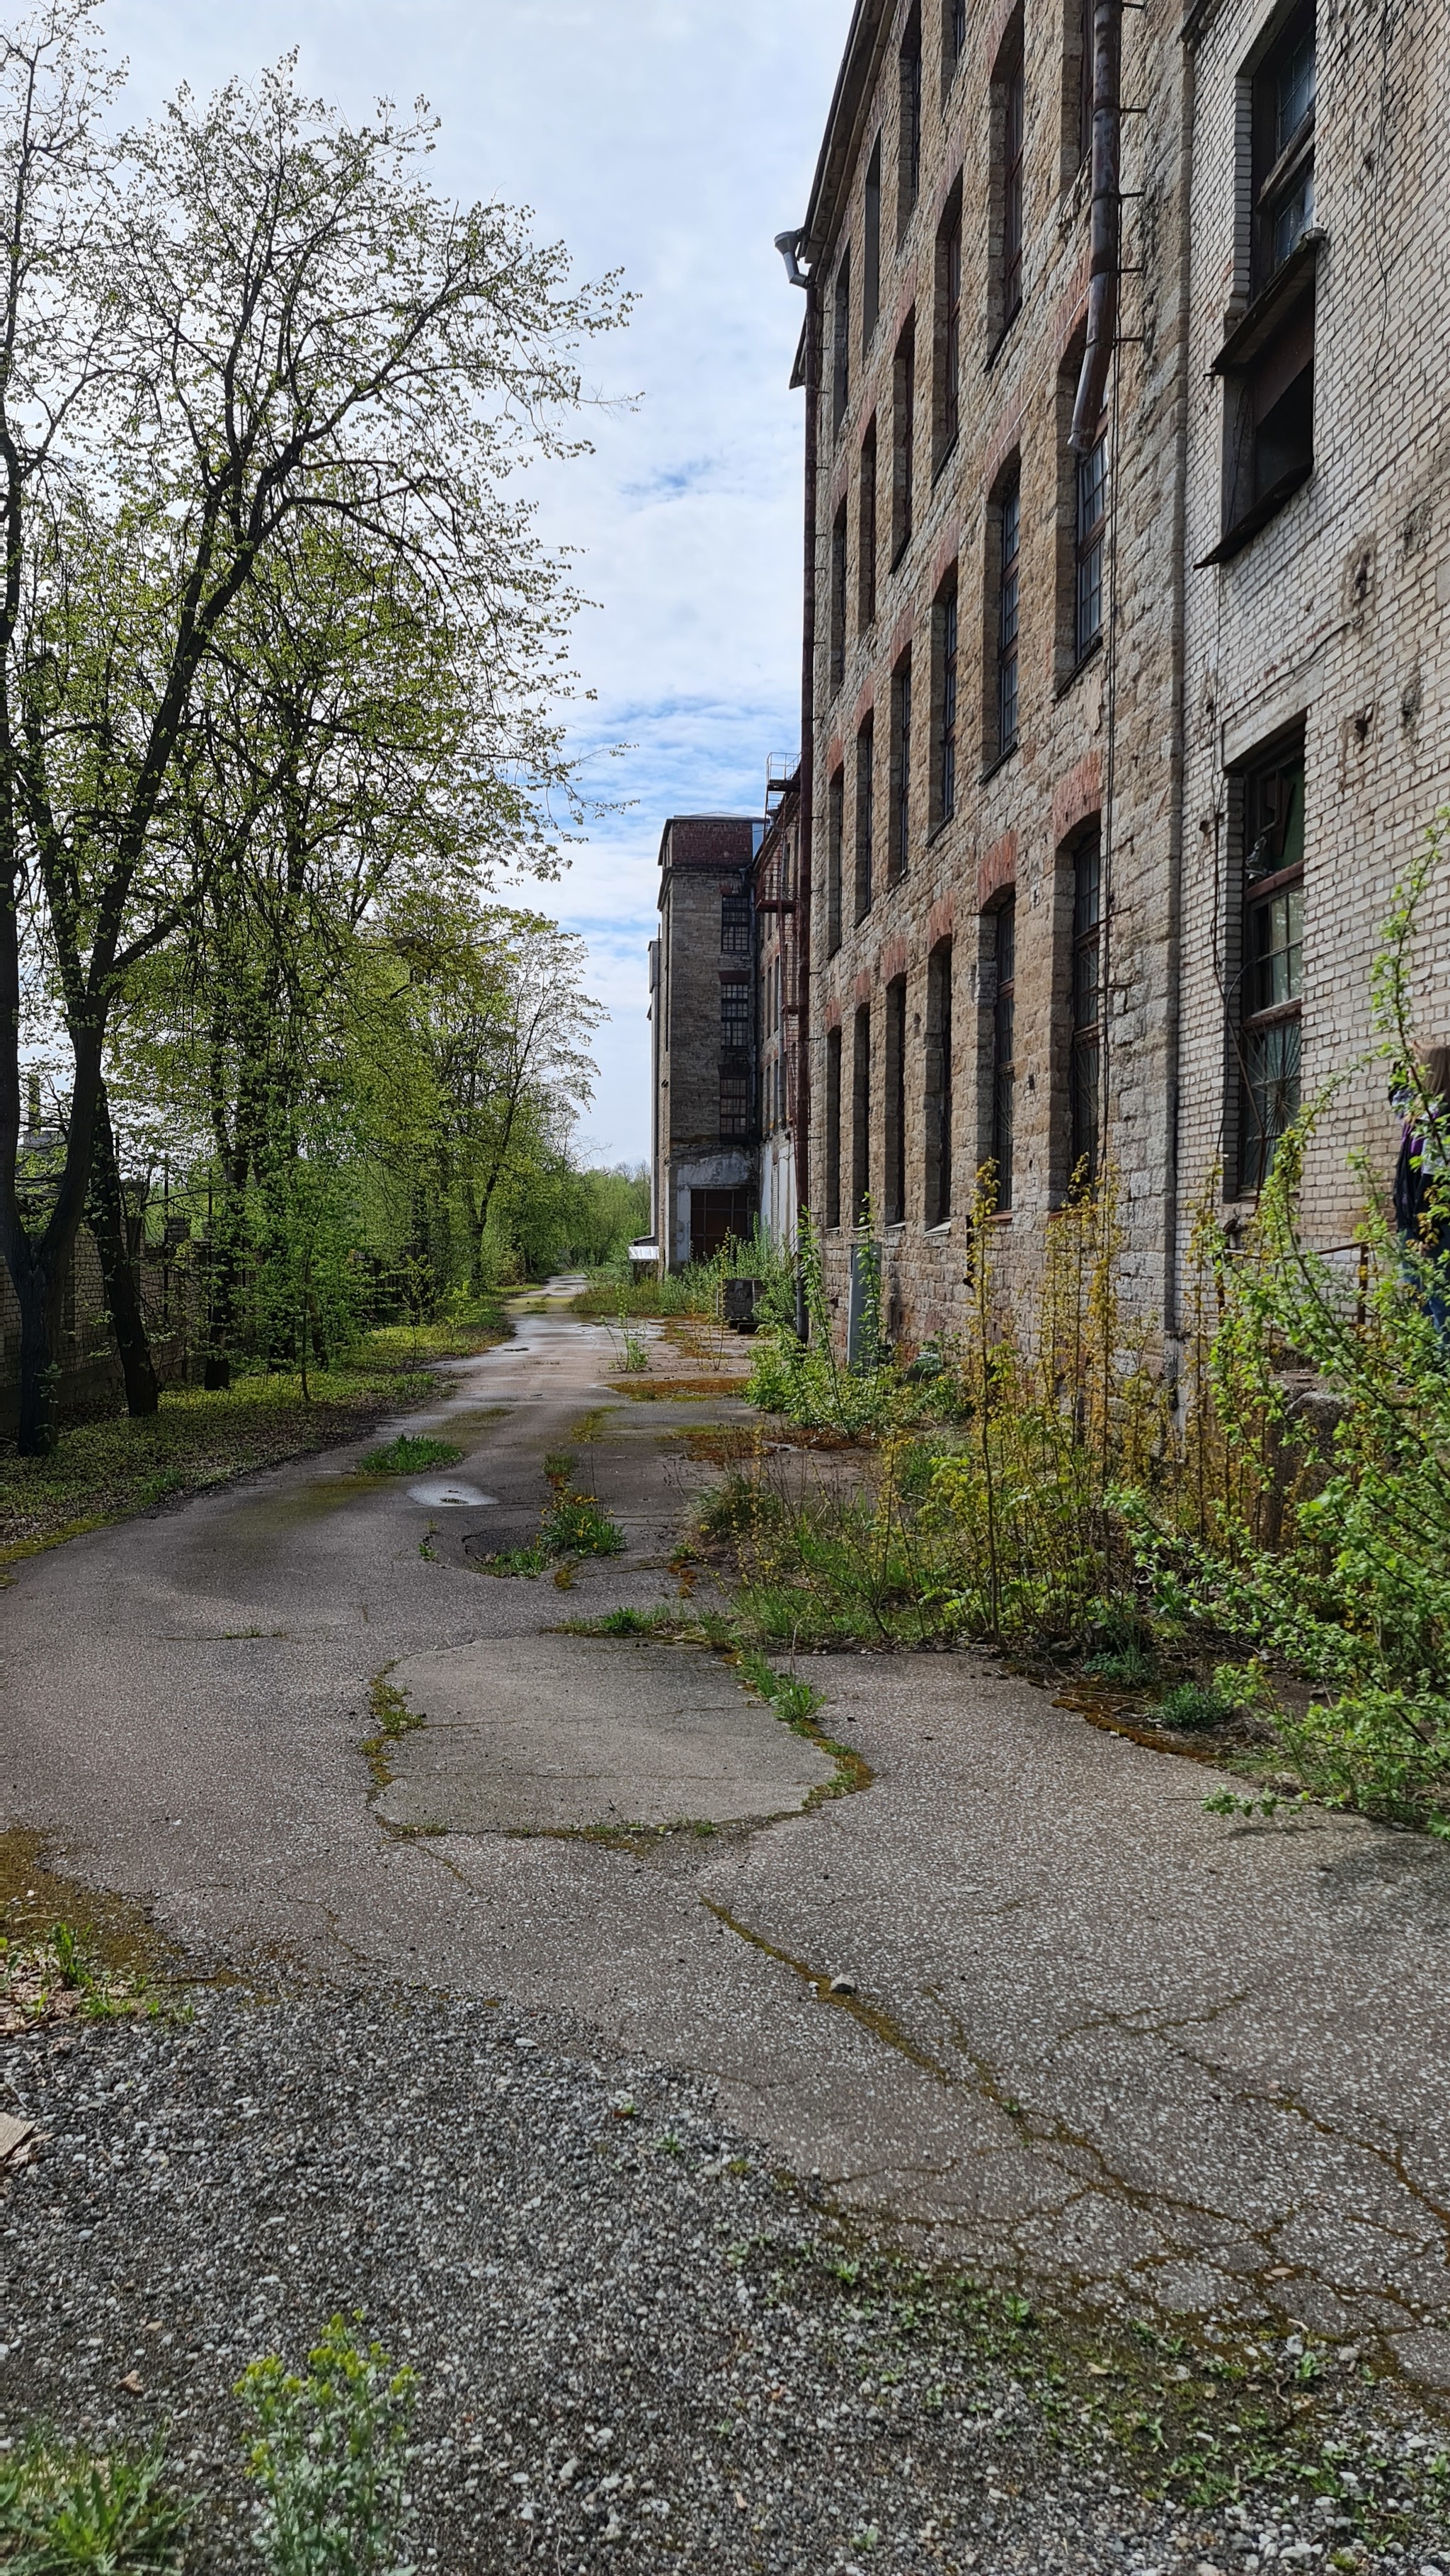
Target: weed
[(574, 1525), (558, 1469), (390, 1707), (1190, 1707), (410, 1453), (59, 1978), (1129, 1666), (64, 2509), (516, 1560), (330, 2458), (624, 1623)]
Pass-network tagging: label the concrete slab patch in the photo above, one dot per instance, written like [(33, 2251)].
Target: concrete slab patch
[(548, 1734)]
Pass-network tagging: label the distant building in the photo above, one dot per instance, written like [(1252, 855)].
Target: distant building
[(778, 1007), (703, 1025)]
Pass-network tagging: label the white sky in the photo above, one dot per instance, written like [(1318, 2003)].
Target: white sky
[(672, 139)]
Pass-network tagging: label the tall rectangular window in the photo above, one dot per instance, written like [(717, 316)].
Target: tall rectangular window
[(946, 742), (1004, 922), (1267, 361), (1009, 532), (838, 598), (938, 1122), (903, 441), (949, 344), (835, 844), (1273, 959), (909, 167), (1283, 119), (1009, 96), (896, 1101), (1092, 520), (735, 940), (871, 249), (1086, 1061), (900, 846), (865, 817), (737, 1013), (833, 1126), (954, 39), (861, 1113), (841, 369), (1080, 14), (866, 533)]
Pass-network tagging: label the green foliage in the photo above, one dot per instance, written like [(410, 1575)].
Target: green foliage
[(64, 2511), (331, 2458), (1189, 1706), (410, 1452), (574, 1525)]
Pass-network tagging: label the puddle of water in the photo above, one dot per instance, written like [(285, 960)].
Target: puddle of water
[(442, 1493)]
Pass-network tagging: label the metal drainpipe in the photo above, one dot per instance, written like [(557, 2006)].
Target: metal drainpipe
[(1107, 224), (805, 859), (1188, 100)]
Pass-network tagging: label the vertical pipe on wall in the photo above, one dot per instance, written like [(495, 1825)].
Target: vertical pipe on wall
[(805, 868)]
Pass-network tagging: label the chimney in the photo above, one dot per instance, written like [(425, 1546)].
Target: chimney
[(32, 1119)]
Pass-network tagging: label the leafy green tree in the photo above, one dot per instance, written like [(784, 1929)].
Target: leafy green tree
[(248, 320)]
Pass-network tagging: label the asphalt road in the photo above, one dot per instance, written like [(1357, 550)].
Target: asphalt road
[(1096, 2037)]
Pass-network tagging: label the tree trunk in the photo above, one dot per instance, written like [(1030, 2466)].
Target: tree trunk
[(39, 1365), (107, 1214)]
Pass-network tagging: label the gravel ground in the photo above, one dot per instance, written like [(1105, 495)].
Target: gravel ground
[(633, 2347)]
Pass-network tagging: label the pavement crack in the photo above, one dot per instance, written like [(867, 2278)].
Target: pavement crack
[(872, 2017)]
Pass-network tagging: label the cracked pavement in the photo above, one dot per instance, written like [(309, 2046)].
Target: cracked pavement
[(1098, 2038)]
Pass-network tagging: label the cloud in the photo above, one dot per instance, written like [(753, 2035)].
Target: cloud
[(672, 139)]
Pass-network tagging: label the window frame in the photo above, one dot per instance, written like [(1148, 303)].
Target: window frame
[(894, 1102), (737, 923), (1089, 549), (840, 555), (871, 249), (948, 404), (867, 533), (1261, 889), (908, 155), (948, 701), (834, 1052), (841, 342), (865, 816), (1086, 1035), (1003, 1091), (860, 1112), (903, 441), (1009, 175), (835, 854), (938, 1104), (1007, 660), (898, 846)]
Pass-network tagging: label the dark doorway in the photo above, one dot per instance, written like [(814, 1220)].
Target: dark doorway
[(717, 1216)]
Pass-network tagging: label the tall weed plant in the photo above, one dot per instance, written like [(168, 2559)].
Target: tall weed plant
[(331, 2459)]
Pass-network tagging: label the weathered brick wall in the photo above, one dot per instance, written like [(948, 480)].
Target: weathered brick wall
[(1012, 819), (90, 1373), (1339, 611)]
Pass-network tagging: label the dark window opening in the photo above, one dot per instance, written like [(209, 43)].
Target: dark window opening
[(861, 1114), (866, 533), (949, 351), (954, 39), (1080, 83), (1283, 146), (735, 938), (1010, 111), (838, 598), (1092, 521), (1009, 522), (737, 1014), (938, 1120), (735, 1105), (909, 168), (833, 1127), (1273, 959), (718, 1217), (835, 846), (1086, 1057), (871, 250), (903, 440), (896, 1101), (1003, 1075), (841, 369), (900, 844), (946, 761), (865, 817), (1268, 359)]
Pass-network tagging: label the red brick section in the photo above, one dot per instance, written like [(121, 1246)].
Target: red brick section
[(996, 868)]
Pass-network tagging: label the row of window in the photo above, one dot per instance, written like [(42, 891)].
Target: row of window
[(1265, 979), (1006, 213), (1267, 362)]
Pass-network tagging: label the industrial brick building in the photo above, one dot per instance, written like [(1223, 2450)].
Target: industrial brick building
[(1128, 568)]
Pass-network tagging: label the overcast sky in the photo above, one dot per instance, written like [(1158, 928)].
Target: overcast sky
[(672, 139)]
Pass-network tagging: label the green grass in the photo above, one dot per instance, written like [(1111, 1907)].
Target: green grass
[(103, 1471), (1189, 1706), (572, 1526), (63, 2509), (405, 1455)]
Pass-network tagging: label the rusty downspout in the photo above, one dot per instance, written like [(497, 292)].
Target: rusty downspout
[(806, 863), (1107, 220)]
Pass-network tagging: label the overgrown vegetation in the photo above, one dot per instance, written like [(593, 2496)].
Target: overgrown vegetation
[(410, 1452), (695, 1290), (572, 1525), (1266, 1539), (59, 1976), (102, 1470), (331, 2458), (64, 2511)]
